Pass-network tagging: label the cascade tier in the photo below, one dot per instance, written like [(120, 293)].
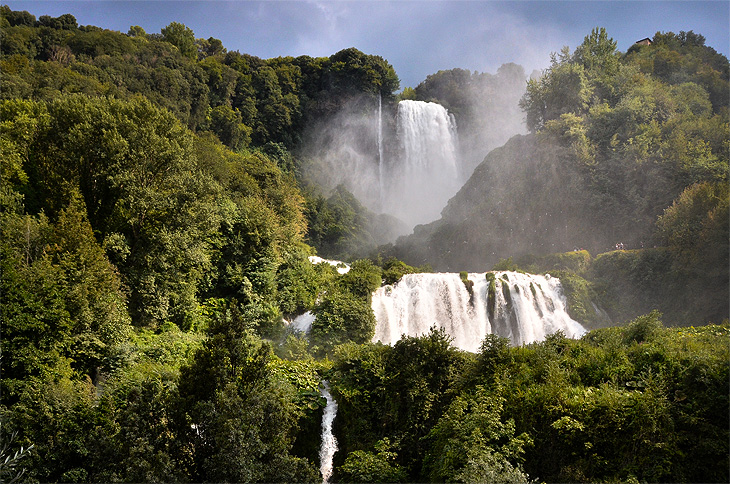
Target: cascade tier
[(522, 307)]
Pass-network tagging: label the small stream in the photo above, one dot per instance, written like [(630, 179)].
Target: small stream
[(329, 442)]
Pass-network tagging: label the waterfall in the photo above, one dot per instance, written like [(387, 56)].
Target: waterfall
[(419, 184), (329, 442), (303, 322), (522, 307), (342, 267), (380, 148)]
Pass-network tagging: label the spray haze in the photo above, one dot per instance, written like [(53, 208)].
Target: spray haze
[(342, 149), (485, 106), (424, 174), (408, 159)]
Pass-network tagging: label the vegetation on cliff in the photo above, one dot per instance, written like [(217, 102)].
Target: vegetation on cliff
[(154, 241)]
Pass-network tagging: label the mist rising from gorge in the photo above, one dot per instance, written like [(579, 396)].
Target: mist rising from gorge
[(485, 106), (342, 149), (368, 146)]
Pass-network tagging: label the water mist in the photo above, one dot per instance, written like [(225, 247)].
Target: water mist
[(425, 174)]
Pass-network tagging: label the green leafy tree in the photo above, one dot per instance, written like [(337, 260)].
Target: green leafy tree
[(94, 297), (181, 37), (342, 317), (299, 282), (601, 60), (62, 22), (377, 466), (228, 126), (239, 420), (564, 88), (472, 443), (689, 221), (362, 279), (135, 169), (22, 17), (36, 325), (135, 31), (354, 70)]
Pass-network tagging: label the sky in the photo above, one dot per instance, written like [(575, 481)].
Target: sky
[(417, 37)]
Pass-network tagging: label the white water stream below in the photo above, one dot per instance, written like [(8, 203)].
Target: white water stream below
[(329, 442)]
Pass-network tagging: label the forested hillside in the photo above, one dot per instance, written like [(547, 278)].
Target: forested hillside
[(155, 229), (153, 232)]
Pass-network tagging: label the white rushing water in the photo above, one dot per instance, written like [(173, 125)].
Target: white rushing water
[(303, 322), (329, 442), (342, 267), (381, 158), (525, 308), (418, 184)]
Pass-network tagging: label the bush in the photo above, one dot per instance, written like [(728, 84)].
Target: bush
[(644, 328), (341, 317), (394, 269)]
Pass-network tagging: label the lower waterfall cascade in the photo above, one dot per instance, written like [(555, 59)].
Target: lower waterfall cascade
[(522, 307), (329, 442)]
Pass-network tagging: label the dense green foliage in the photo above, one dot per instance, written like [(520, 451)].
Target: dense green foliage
[(154, 241), (239, 97), (615, 286), (621, 404), (342, 228)]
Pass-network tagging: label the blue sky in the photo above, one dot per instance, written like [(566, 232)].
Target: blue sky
[(417, 37)]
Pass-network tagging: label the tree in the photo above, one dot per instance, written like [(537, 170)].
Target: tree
[(682, 224), (136, 31), (134, 166), (563, 88), (19, 17), (36, 325), (362, 279), (93, 292), (601, 61), (341, 317), (209, 47), (377, 466), (355, 71), (63, 22), (181, 37), (227, 125), (238, 420), (472, 443), (598, 54)]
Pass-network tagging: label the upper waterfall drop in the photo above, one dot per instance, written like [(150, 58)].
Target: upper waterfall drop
[(426, 174), (381, 157), (522, 307)]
